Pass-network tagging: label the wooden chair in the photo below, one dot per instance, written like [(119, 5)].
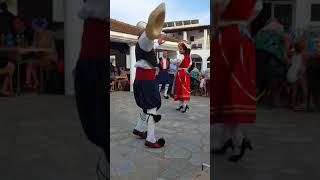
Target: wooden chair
[(5, 73)]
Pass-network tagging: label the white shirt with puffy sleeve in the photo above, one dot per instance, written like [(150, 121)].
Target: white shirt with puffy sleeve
[(146, 45)]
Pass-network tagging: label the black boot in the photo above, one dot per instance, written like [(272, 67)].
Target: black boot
[(178, 109), (228, 144), (185, 109), (245, 144)]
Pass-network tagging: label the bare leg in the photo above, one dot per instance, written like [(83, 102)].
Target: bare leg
[(34, 77), (6, 87), (28, 74)]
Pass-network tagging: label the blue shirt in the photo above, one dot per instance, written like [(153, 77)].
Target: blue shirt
[(172, 68)]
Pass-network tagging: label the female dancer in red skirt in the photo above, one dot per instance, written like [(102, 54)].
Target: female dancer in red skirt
[(182, 78), (233, 99)]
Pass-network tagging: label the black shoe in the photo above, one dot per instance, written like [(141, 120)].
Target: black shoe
[(166, 97), (245, 144), (178, 109), (223, 150), (156, 118), (185, 109)]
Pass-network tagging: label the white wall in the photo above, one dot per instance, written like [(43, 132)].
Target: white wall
[(58, 10)]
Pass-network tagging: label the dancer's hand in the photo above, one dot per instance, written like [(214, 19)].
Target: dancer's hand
[(161, 39)]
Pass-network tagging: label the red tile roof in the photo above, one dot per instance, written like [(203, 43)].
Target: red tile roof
[(122, 27)]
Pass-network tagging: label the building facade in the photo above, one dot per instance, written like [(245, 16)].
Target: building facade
[(197, 35), (294, 14)]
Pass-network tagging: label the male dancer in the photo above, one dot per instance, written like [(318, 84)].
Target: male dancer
[(91, 76), (145, 88), (163, 77)]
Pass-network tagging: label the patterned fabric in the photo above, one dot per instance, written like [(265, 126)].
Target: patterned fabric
[(234, 71), (182, 81), (270, 41)]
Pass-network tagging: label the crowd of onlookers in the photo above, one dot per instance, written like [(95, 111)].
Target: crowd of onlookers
[(287, 67), (199, 81), (15, 31)]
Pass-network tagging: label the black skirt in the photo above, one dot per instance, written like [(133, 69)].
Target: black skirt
[(146, 94), (91, 79)]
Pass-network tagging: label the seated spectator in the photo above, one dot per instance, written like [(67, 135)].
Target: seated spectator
[(10, 69), (22, 32), (42, 39)]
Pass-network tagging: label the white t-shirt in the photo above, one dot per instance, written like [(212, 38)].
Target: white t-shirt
[(292, 75), (202, 83)]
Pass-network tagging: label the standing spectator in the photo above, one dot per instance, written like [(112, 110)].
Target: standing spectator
[(171, 72), (272, 46), (297, 75)]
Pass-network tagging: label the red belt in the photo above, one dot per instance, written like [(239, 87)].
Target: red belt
[(145, 74)]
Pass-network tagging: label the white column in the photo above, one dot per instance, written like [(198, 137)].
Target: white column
[(185, 36), (204, 63), (205, 38), (73, 27), (132, 63), (302, 15)]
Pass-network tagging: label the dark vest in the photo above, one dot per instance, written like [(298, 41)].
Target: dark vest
[(150, 57)]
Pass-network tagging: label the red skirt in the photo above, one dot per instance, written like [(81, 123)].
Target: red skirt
[(233, 71), (182, 86)]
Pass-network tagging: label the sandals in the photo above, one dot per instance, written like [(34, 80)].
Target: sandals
[(27, 85)]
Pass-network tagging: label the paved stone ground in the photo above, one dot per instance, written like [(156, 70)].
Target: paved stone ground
[(286, 146), (187, 141), (42, 139)]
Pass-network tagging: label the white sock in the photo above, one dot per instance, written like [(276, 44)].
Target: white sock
[(166, 90), (160, 86), (237, 137), (151, 130), (225, 134), (184, 104), (152, 111), (141, 122), (180, 104)]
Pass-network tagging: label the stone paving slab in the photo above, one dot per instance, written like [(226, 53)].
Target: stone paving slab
[(42, 139), (286, 146), (187, 140)]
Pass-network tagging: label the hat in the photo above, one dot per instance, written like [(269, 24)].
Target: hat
[(156, 21), (142, 25), (185, 44)]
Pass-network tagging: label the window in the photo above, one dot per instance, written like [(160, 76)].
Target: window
[(191, 38), (208, 64), (315, 12)]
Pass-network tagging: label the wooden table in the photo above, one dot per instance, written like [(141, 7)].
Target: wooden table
[(118, 79), (17, 54)]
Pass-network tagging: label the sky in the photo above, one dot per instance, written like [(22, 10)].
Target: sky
[(133, 11)]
